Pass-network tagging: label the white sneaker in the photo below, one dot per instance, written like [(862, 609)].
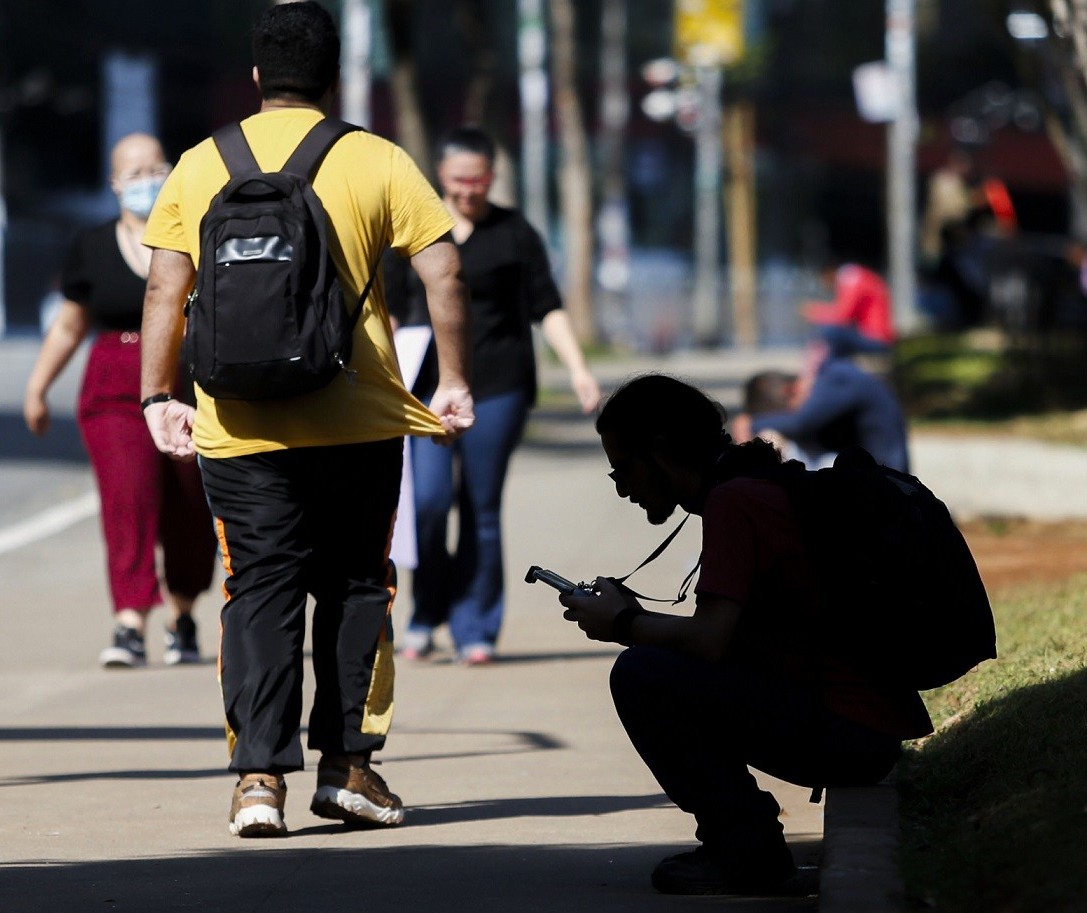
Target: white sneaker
[(126, 651), (477, 655)]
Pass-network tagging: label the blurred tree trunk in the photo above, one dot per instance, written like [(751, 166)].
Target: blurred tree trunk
[(1069, 40), (575, 179), (612, 222), (740, 205), (480, 105), (1070, 28), (411, 132)]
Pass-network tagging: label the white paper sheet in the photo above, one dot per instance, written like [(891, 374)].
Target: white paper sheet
[(411, 346)]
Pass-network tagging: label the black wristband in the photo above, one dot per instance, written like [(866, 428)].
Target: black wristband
[(156, 398), (621, 624)]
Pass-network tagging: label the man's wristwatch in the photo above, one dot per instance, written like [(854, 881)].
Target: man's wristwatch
[(156, 398)]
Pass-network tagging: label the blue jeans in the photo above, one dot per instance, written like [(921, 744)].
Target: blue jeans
[(698, 725), (464, 588), (845, 341)]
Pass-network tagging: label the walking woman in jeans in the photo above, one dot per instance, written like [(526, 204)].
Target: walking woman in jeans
[(505, 266), (147, 499)]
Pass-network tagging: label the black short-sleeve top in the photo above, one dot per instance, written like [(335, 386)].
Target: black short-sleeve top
[(505, 266), (96, 275)]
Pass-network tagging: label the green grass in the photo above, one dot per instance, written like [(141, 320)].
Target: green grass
[(985, 375), (994, 805), (1062, 427)]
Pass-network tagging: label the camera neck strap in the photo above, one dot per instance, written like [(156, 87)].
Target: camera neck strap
[(656, 553)]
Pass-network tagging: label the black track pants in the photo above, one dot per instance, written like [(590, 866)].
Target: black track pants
[(312, 520)]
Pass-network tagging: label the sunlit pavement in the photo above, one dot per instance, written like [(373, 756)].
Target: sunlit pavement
[(523, 793)]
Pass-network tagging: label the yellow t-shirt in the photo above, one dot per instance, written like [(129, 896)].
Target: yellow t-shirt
[(374, 195)]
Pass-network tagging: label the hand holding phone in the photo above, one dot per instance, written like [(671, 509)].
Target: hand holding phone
[(560, 583)]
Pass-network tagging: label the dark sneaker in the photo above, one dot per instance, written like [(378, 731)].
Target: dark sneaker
[(126, 652), (702, 871), (257, 807), (181, 644), (353, 793)]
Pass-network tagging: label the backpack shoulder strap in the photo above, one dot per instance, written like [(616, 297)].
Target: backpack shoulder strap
[(307, 157), (234, 150)]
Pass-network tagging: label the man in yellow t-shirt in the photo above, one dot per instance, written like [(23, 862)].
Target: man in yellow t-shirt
[(304, 490)]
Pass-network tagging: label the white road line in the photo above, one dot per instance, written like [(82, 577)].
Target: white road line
[(48, 522)]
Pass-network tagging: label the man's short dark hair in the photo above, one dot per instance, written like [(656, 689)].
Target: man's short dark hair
[(465, 139), (769, 391), (296, 51)]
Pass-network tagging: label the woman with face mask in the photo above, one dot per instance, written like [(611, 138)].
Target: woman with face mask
[(146, 498)]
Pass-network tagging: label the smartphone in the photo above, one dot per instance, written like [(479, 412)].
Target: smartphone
[(557, 581)]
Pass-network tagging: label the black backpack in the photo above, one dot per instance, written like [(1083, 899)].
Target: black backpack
[(903, 598), (266, 319)]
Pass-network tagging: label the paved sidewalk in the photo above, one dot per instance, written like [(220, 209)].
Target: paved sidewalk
[(523, 792)]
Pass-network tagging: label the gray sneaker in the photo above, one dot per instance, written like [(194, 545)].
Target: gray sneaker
[(126, 651)]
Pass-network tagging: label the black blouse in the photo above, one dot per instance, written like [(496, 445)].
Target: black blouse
[(506, 269), (96, 275)]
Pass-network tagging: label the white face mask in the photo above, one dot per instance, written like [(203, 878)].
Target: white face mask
[(138, 196)]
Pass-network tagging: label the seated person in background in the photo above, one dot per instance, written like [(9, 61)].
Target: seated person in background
[(770, 392), (745, 679), (859, 318), (840, 406)]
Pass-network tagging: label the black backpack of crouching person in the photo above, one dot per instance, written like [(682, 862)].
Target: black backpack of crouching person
[(903, 599), (266, 319)]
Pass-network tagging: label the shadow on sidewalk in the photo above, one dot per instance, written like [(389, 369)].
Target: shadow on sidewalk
[(61, 443), (90, 776), (561, 432), (109, 733), (515, 658), (536, 807), (274, 876), (536, 443), (504, 742)]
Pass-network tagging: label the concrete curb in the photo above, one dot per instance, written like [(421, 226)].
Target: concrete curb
[(859, 872)]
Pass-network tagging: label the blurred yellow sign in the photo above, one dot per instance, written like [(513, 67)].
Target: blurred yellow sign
[(709, 32)]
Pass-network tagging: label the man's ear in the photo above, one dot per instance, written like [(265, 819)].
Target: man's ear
[(328, 99), (256, 78)]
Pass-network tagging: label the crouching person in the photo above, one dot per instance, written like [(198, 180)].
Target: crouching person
[(742, 680)]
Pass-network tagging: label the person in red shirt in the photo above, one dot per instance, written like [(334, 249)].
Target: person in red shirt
[(741, 681), (859, 319)]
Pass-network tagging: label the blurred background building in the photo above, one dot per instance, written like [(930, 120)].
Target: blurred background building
[(801, 176)]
